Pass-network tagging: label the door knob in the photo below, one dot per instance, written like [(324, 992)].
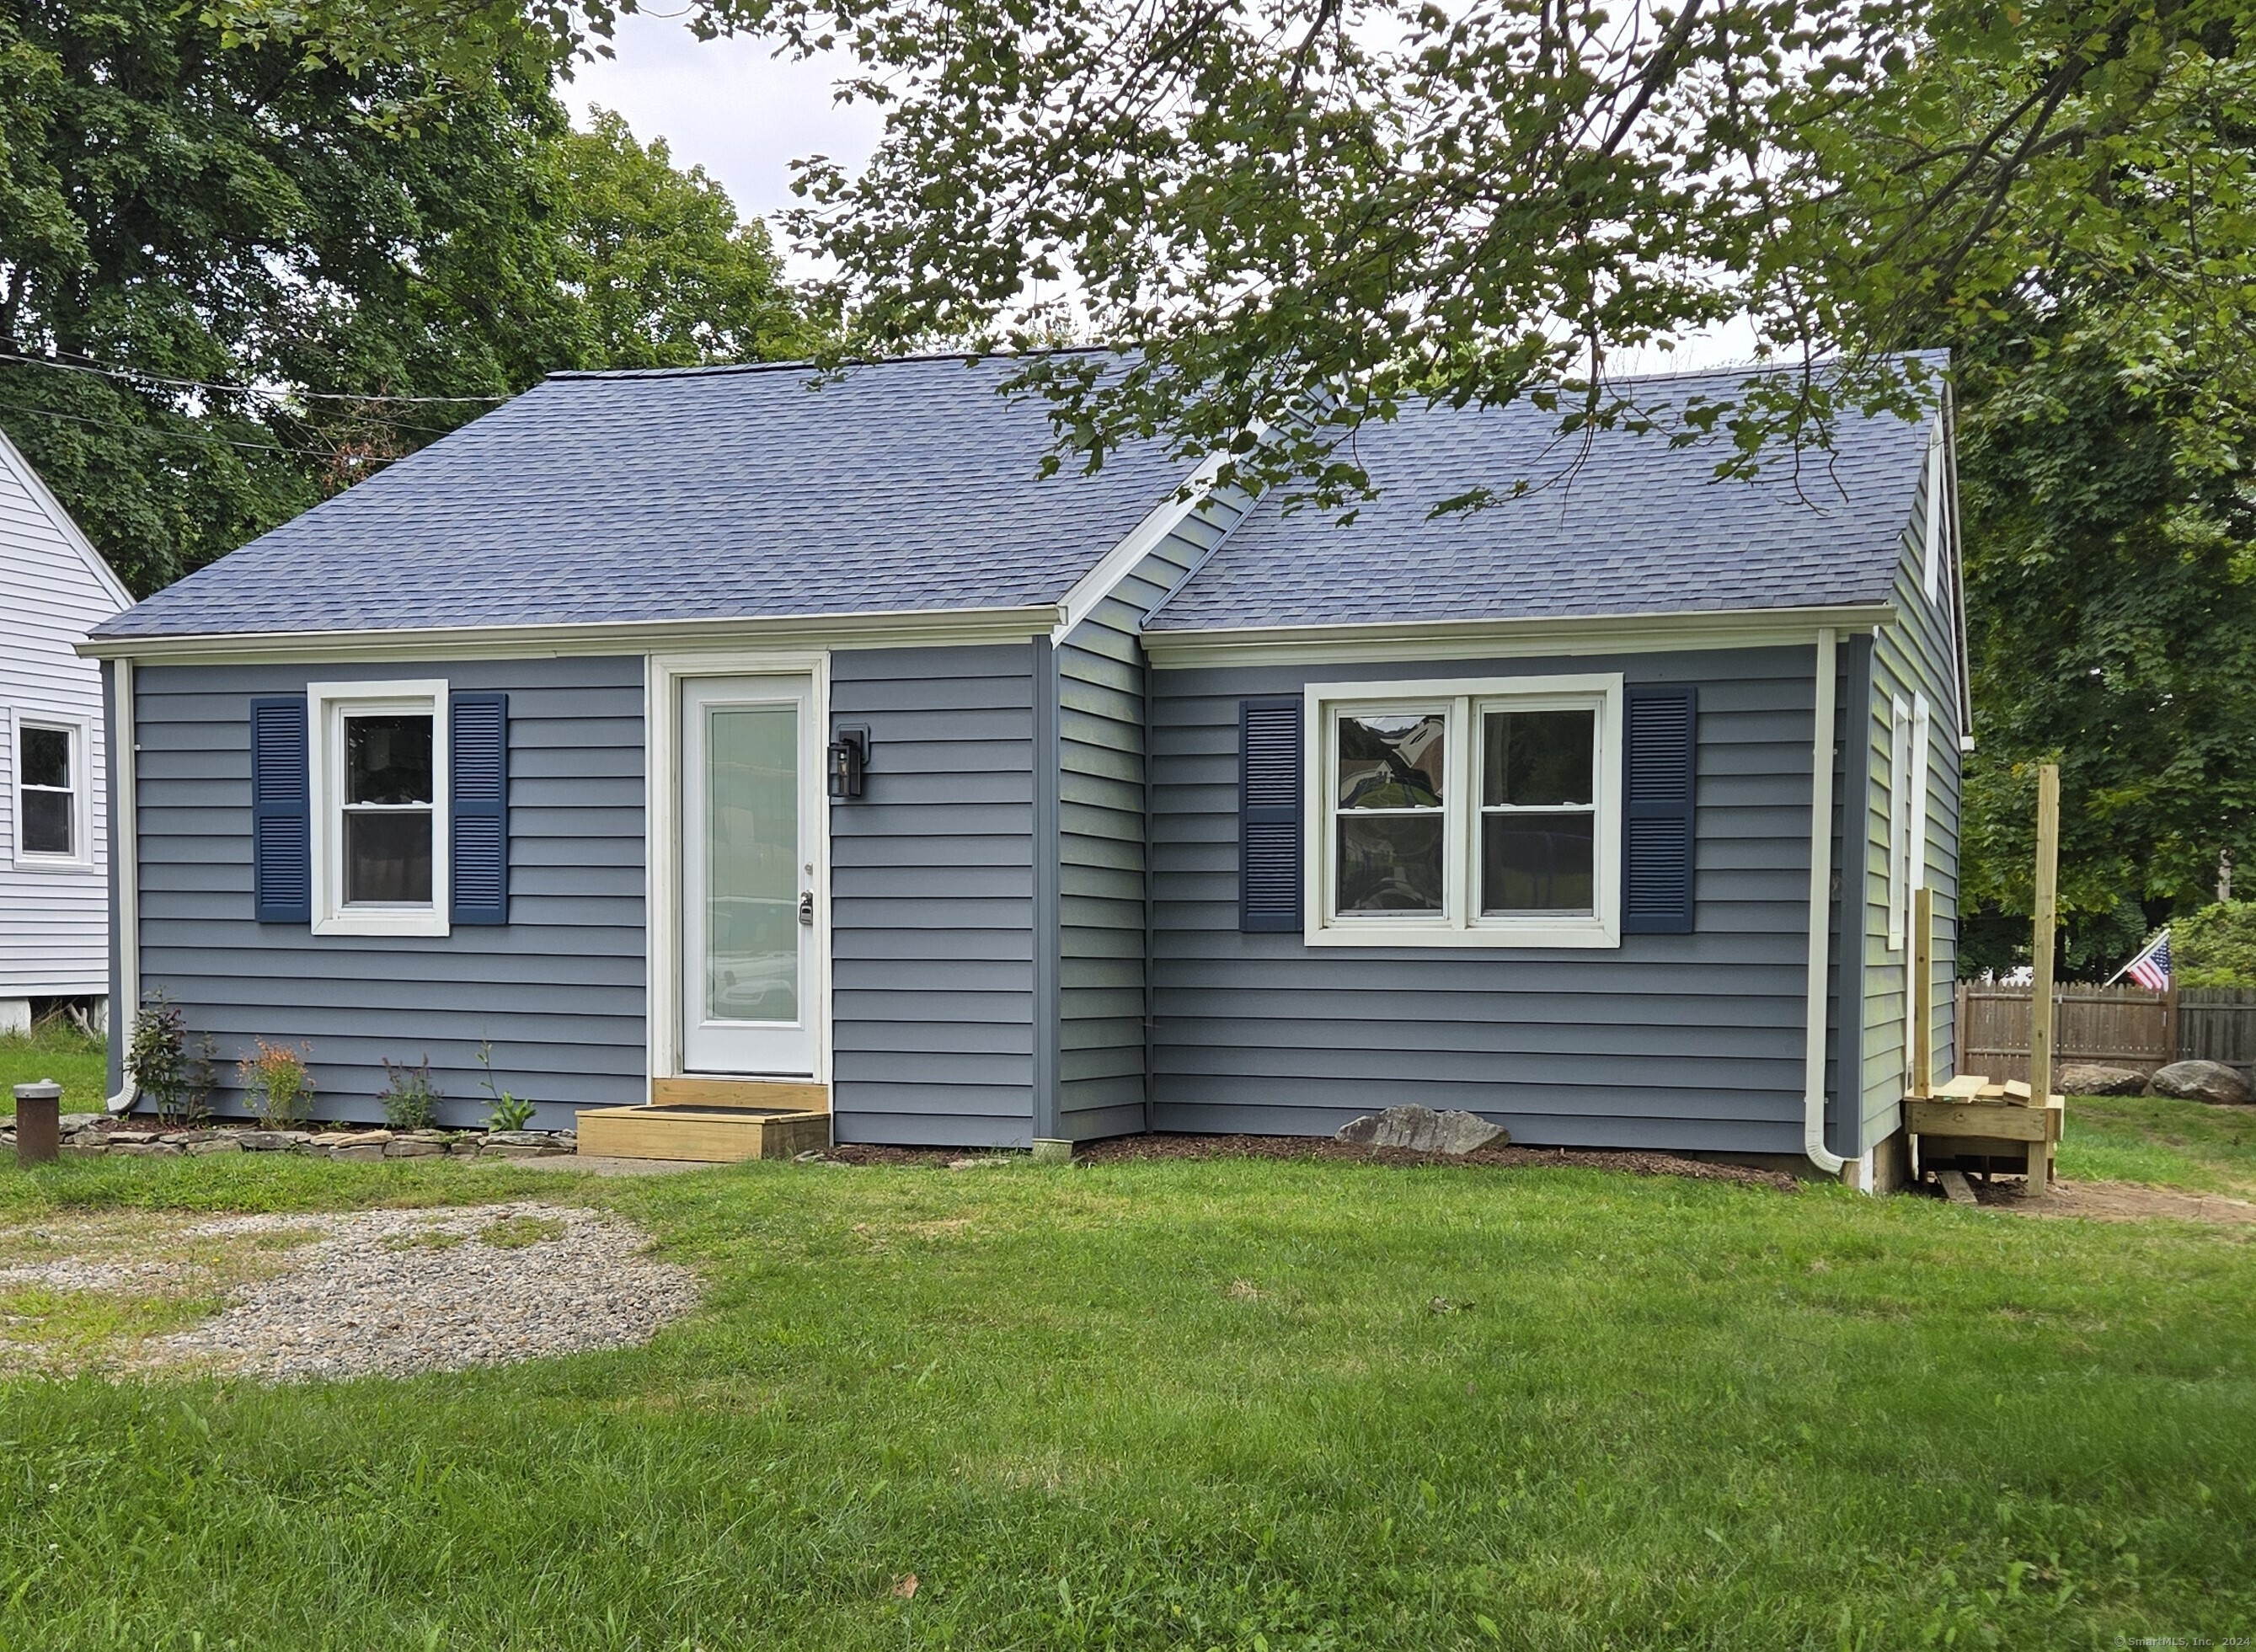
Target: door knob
[(806, 906)]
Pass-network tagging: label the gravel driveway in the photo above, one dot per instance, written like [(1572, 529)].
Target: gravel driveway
[(385, 1293)]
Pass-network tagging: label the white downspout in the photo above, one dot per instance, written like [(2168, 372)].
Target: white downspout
[(126, 867), (1821, 891)]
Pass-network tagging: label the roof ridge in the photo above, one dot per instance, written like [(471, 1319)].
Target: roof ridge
[(970, 358)]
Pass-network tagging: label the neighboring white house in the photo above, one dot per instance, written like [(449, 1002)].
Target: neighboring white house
[(54, 848)]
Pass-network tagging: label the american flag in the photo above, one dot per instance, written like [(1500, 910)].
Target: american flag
[(2151, 969)]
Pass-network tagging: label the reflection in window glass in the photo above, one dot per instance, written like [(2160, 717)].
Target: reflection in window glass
[(1538, 863), (388, 857), (751, 863), (1533, 757), (1390, 863), (388, 759), (47, 757), (1390, 762)]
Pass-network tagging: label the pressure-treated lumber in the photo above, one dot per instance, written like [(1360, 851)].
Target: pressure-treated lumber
[(781, 1095), (2041, 954), (715, 1135)]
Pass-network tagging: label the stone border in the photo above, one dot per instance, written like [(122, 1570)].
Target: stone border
[(93, 1135)]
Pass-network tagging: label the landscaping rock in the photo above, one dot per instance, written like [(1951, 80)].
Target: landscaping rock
[(1421, 1130), (466, 1148), (2083, 1079), (268, 1141), (2203, 1081), (357, 1150), (520, 1138), (71, 1122), (360, 1138), (210, 1145), (542, 1149), (408, 1148), (442, 1137), (132, 1137)]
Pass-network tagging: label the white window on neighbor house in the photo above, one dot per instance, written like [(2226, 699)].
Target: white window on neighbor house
[(53, 801), (1454, 814), (379, 837)]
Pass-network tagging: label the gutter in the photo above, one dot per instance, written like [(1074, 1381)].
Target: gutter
[(124, 875), (1821, 884)]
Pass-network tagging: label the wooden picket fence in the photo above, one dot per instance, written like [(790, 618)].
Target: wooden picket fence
[(2111, 1025)]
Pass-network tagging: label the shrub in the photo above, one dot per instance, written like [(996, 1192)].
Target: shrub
[(157, 1055), (2216, 946), (411, 1100), (278, 1084)]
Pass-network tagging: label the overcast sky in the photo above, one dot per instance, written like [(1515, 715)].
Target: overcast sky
[(731, 107)]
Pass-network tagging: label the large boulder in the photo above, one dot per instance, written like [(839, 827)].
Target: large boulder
[(2203, 1081), (1422, 1130), (2081, 1078)]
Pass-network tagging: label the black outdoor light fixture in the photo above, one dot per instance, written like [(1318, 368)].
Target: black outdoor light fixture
[(849, 754)]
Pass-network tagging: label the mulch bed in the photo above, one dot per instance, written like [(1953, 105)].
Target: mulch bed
[(1130, 1149)]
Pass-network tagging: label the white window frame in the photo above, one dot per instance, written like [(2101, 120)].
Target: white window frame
[(327, 705), (1460, 923), (81, 735)]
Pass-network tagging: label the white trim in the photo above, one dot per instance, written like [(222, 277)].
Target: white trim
[(885, 630), (1899, 805), (1937, 513), (327, 705), (1148, 535), (44, 497), (1820, 889), (125, 866), (662, 674), (1460, 925), (80, 730), (1534, 637)]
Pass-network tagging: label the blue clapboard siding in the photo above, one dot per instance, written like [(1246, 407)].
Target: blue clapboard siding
[(1917, 653), (1669, 1041), (558, 990), (932, 899), (1102, 892)]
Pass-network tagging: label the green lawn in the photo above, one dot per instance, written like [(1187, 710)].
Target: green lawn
[(59, 1051), (1225, 1403), (2152, 1139)]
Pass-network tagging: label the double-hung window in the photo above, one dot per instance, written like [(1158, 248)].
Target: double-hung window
[(51, 827), (1471, 814), (378, 753)]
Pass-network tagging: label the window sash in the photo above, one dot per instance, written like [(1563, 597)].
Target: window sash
[(1461, 812)]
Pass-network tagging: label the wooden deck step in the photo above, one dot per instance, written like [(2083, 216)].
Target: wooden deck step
[(788, 1095), (712, 1134)]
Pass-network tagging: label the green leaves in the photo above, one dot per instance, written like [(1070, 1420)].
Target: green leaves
[(264, 240)]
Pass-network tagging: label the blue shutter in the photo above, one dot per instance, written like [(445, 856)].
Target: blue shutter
[(1269, 814), (477, 778), (281, 852), (1657, 818)]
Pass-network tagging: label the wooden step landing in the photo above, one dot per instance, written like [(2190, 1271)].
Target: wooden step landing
[(689, 1130), (775, 1095)]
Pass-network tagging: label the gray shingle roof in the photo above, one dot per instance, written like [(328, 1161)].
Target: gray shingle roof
[(1634, 528), (726, 493)]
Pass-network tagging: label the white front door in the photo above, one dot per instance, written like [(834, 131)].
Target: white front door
[(750, 923)]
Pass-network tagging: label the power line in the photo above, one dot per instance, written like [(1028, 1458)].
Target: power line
[(130, 376), (168, 435)]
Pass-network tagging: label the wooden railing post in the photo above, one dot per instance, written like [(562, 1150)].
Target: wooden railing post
[(2040, 963)]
